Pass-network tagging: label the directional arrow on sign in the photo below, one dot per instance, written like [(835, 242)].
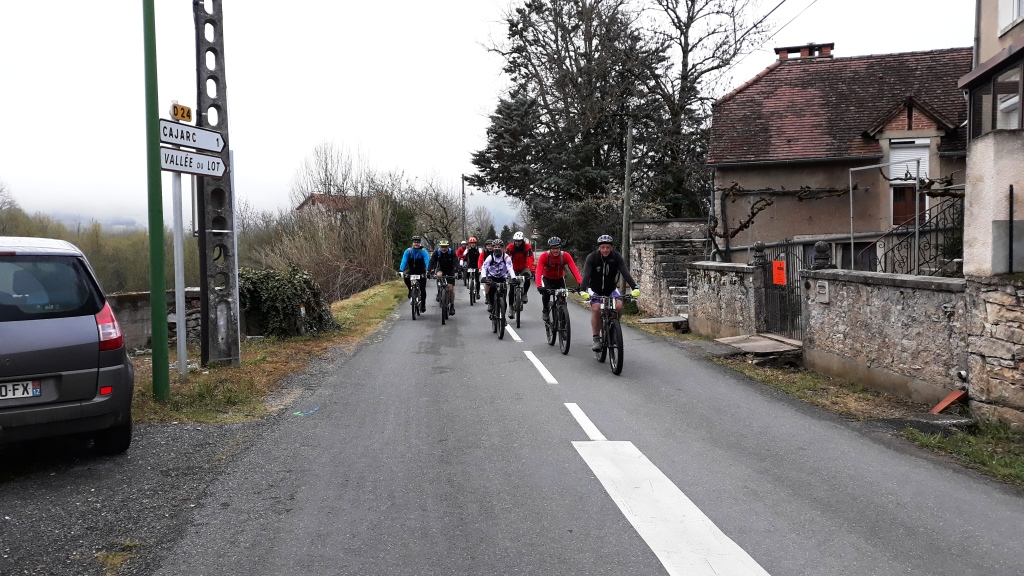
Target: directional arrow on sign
[(190, 136), (175, 160)]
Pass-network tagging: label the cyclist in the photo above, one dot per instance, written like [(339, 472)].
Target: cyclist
[(417, 260), (443, 263), (496, 265), (602, 269), (488, 248), (459, 253), (522, 261), (471, 259), (551, 270)]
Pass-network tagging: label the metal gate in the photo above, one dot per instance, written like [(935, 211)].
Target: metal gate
[(782, 291)]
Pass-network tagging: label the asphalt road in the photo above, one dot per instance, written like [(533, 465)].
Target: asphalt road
[(442, 450)]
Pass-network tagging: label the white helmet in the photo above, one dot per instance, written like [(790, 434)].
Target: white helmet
[(517, 236)]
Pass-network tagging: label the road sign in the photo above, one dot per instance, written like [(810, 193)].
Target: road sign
[(190, 136), (176, 160), (179, 112)]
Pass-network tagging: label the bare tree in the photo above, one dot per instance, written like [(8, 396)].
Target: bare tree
[(438, 211), (327, 170), (479, 221), (6, 197), (704, 38)]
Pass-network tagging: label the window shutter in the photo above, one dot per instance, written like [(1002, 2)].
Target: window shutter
[(902, 158)]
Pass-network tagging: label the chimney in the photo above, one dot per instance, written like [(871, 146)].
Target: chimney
[(809, 50)]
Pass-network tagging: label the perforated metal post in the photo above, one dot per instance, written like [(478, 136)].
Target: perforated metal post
[(218, 263)]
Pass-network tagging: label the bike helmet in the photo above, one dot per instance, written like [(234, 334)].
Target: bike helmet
[(488, 242), (604, 239), (554, 241), (415, 238), (463, 243), (443, 243), (472, 239), (517, 236)]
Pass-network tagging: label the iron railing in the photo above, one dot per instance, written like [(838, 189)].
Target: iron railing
[(939, 243)]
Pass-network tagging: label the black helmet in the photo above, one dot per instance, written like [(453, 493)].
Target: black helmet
[(415, 238), (554, 241)]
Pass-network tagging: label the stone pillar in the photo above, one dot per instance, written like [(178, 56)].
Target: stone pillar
[(760, 260), (822, 257)]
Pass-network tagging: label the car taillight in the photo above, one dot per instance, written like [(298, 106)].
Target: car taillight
[(106, 390), (110, 332)]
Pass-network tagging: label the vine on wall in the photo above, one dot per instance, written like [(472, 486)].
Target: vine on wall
[(284, 304)]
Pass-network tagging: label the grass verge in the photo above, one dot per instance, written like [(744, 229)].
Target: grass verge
[(222, 394), (994, 449)]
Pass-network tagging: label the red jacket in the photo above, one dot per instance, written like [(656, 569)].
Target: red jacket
[(460, 251), (521, 259), (554, 268)]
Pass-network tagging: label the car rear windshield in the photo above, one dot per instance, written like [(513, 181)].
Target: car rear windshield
[(39, 287)]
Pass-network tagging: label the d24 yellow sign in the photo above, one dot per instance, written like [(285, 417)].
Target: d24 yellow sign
[(181, 113)]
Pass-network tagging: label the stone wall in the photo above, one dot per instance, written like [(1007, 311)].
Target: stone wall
[(726, 299), (659, 252), (996, 347), (133, 315), (901, 334)]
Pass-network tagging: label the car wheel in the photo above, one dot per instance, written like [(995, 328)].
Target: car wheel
[(113, 440)]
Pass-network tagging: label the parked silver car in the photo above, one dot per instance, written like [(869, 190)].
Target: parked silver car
[(63, 365)]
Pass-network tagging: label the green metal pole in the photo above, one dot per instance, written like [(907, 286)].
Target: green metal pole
[(157, 285)]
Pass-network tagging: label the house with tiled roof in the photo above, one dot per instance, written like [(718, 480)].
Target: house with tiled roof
[(786, 140), (330, 203)]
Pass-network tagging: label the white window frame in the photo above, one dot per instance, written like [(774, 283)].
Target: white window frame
[(1011, 13)]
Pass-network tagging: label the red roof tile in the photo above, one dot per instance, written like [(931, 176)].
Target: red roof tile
[(820, 108)]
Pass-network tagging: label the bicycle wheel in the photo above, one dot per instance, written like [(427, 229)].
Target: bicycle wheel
[(500, 307), (444, 306), (551, 325), (604, 344), (564, 332), (615, 347), (519, 310), (415, 302), (472, 292)]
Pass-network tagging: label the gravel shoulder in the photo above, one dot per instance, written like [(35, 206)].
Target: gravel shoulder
[(65, 511)]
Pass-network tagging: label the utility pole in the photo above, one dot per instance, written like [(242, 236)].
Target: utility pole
[(625, 192), (464, 236), (218, 257)]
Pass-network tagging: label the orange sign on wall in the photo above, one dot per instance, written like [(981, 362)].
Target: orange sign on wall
[(779, 272)]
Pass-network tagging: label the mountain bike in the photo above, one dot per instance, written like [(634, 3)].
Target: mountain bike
[(500, 288), (611, 332), (414, 281), (557, 326), (474, 285), (516, 299), (443, 297)]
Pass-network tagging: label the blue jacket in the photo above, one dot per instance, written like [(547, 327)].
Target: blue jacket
[(417, 260)]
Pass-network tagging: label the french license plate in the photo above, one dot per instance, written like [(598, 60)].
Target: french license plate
[(10, 390)]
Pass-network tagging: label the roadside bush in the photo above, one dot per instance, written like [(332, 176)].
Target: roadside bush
[(283, 304)]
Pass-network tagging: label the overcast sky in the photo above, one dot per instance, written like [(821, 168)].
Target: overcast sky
[(402, 84)]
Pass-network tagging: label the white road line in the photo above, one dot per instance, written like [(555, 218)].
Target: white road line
[(592, 432), (513, 333), (548, 377), (685, 540)]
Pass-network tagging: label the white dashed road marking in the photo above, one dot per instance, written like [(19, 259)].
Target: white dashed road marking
[(685, 540), (513, 333), (592, 432), (548, 377)]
